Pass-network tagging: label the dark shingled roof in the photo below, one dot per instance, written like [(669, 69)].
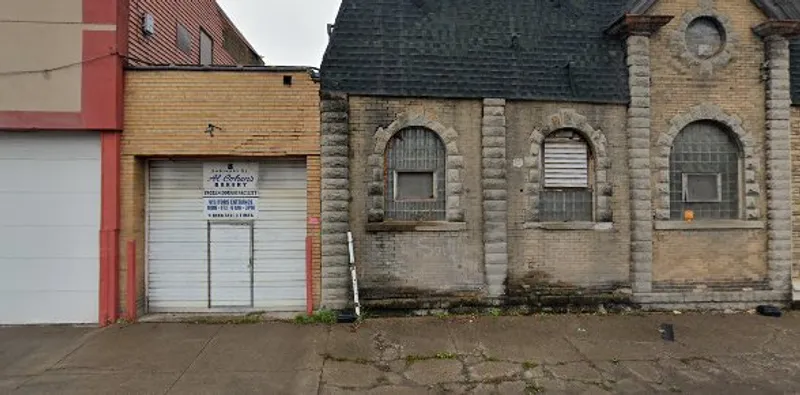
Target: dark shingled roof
[(515, 49)]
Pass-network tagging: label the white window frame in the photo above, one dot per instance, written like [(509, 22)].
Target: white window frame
[(685, 187), (433, 186)]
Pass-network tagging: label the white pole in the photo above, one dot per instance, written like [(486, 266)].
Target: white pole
[(356, 302)]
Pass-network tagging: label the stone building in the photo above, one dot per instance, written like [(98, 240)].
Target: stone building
[(556, 153)]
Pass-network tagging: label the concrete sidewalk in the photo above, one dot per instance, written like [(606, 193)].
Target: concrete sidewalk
[(507, 355)]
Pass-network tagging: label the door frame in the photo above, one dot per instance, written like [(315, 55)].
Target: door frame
[(250, 264)]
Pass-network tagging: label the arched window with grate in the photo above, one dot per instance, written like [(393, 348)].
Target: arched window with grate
[(567, 178), (415, 176), (705, 165)]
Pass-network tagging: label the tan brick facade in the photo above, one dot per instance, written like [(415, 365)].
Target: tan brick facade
[(738, 89), (167, 112)]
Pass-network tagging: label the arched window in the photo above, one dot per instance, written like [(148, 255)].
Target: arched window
[(415, 176), (567, 178), (705, 173)]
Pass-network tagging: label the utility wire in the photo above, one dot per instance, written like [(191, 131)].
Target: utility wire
[(64, 66)]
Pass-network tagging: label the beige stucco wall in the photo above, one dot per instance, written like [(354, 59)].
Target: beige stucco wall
[(738, 89), (29, 46)]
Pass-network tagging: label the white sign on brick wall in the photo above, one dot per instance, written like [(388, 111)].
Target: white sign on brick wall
[(230, 191)]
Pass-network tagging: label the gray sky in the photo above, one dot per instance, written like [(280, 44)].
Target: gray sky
[(284, 32)]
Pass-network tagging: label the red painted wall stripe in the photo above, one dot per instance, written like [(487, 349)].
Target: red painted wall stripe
[(40, 120), (130, 283), (100, 11), (309, 276), (111, 145)]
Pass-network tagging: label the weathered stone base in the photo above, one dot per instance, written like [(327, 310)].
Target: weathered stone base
[(710, 300)]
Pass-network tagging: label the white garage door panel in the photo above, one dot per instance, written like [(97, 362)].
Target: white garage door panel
[(60, 274), (40, 242), (56, 145), (51, 307), (49, 233), (169, 235), (166, 253), (48, 209), (62, 176), (177, 241)]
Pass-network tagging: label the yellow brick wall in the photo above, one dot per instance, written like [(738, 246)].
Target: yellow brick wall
[(739, 90), (167, 112)]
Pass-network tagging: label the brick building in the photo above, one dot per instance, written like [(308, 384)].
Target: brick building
[(184, 125), (61, 122), (166, 32), (553, 153)]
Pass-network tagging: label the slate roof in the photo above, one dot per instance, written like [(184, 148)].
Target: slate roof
[(515, 49)]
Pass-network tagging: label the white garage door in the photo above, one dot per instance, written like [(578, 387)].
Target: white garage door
[(196, 266), (49, 227)]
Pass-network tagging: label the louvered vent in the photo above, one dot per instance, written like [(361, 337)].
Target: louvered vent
[(566, 163)]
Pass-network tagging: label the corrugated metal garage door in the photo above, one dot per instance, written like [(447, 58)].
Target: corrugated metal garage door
[(181, 241), (49, 224)]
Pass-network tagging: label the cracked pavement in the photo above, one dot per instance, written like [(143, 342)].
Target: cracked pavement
[(571, 354)]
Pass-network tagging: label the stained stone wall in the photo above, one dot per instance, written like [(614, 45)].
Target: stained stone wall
[(568, 258), (401, 263), (335, 199)]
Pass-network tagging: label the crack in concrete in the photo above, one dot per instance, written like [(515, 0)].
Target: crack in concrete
[(196, 357)]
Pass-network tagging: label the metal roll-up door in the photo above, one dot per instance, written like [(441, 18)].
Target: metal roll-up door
[(49, 227), (177, 238), (279, 237), (195, 265)]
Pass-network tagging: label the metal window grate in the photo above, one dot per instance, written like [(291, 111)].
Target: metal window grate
[(415, 150), (565, 205), (705, 148)]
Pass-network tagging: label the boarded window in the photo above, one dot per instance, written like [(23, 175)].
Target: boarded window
[(415, 186), (415, 176), (566, 162), (704, 173), (702, 188), (567, 195), (206, 49), (184, 40)]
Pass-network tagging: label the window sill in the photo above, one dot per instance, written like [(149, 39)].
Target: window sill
[(598, 226), (709, 225), (413, 226)]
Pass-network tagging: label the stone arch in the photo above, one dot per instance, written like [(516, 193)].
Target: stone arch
[(571, 119), (680, 47), (455, 165), (750, 158)]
